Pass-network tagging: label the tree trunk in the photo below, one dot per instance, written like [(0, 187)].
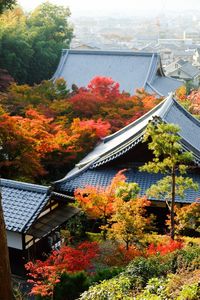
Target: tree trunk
[(172, 204), (127, 245), (5, 274), (104, 230)]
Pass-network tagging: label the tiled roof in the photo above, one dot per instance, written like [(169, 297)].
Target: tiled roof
[(22, 203), (185, 66), (117, 144), (103, 176), (49, 222), (190, 70), (131, 70)]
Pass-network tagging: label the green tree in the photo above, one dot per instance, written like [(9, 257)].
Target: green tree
[(170, 160), (30, 45), (50, 33), (15, 44), (5, 274), (6, 4)]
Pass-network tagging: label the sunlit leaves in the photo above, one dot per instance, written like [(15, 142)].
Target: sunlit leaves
[(171, 159), (31, 44)]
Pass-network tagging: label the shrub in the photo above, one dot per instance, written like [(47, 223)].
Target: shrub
[(155, 290), (165, 248), (190, 292), (147, 268), (71, 286), (114, 254), (175, 282), (115, 288), (105, 274), (151, 272), (188, 258)]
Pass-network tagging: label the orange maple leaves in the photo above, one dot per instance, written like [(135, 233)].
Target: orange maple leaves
[(98, 202)]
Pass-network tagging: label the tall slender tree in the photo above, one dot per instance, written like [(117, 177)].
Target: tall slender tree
[(170, 160), (5, 274)]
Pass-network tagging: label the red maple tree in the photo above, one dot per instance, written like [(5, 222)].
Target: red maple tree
[(46, 274)]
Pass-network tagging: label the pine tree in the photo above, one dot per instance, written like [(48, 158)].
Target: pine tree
[(170, 160)]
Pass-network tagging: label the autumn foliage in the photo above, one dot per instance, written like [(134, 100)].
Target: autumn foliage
[(129, 220), (187, 219), (194, 100), (98, 202), (121, 209), (53, 128), (46, 274), (164, 248)]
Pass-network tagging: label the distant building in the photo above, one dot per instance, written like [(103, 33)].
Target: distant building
[(131, 70), (180, 42), (184, 70), (194, 35), (196, 58), (166, 55)]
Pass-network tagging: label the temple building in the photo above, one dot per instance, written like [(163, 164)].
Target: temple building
[(33, 215), (132, 70), (125, 150)]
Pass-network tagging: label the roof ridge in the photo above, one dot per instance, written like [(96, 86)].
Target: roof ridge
[(127, 127), (149, 70), (25, 186), (109, 52), (154, 89), (187, 113), (61, 64)]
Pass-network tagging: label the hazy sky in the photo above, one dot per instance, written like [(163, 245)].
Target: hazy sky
[(100, 7)]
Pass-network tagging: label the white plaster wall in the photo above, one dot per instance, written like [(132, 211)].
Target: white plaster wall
[(14, 239)]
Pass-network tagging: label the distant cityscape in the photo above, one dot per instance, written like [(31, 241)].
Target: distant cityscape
[(175, 36)]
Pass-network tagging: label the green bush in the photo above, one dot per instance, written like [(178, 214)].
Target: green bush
[(190, 292), (105, 274), (147, 268), (189, 258), (117, 288), (77, 227), (71, 286), (150, 273)]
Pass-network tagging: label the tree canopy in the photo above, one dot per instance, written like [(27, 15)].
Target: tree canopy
[(6, 4), (169, 159), (31, 44), (56, 127)]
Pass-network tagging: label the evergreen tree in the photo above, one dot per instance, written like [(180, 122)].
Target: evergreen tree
[(170, 160)]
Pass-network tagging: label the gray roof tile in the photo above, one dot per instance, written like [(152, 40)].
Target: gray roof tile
[(22, 203), (122, 141), (131, 70), (103, 176)]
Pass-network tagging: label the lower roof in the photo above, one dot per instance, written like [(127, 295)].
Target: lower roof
[(53, 220), (22, 203), (101, 177)]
